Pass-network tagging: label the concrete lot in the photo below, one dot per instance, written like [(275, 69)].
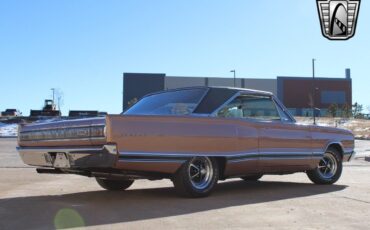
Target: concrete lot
[(32, 201)]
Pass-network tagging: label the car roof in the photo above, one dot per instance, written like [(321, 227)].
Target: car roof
[(244, 90), (235, 89)]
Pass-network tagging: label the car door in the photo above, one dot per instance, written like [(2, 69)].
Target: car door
[(284, 146), (245, 160)]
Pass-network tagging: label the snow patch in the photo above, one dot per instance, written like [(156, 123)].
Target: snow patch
[(8, 130)]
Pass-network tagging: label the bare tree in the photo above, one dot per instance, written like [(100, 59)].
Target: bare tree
[(346, 111), (332, 110), (357, 110)]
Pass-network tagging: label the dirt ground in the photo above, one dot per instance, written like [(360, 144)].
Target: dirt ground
[(359, 127), (32, 201)]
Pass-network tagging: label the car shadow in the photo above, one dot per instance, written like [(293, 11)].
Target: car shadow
[(105, 207)]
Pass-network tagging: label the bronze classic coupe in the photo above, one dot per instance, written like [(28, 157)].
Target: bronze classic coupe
[(193, 136)]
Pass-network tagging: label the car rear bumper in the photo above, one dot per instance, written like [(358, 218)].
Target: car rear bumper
[(90, 157)]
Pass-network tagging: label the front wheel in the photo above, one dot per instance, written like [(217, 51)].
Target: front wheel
[(197, 177), (329, 169), (114, 185)]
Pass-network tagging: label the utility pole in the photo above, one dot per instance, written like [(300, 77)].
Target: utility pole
[(53, 89), (313, 91), (233, 71)]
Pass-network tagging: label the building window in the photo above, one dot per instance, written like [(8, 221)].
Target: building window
[(333, 97)]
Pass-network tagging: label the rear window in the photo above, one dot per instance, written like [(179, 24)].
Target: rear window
[(180, 102)]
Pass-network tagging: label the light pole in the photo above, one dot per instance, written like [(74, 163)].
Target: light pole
[(313, 91), (233, 71)]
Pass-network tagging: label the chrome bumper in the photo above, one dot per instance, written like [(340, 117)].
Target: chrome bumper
[(94, 157)]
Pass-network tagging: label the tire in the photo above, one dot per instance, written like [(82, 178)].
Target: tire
[(114, 185), (197, 177), (329, 169), (252, 178)]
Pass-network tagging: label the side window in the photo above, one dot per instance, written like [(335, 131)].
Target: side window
[(233, 109), (251, 106), (283, 115)]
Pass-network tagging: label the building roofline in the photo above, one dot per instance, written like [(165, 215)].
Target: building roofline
[(316, 78), (241, 78), (228, 78), (137, 73)]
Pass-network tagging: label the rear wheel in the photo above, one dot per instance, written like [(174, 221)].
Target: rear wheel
[(329, 169), (197, 177), (252, 178), (114, 185)]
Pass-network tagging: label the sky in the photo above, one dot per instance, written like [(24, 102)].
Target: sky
[(83, 47)]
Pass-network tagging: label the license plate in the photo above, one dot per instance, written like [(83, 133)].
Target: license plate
[(61, 161)]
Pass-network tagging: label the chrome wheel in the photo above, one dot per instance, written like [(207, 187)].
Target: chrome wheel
[(200, 172), (329, 169), (197, 177), (328, 166)]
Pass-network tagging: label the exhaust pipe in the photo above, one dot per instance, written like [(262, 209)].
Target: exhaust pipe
[(59, 171), (49, 171)]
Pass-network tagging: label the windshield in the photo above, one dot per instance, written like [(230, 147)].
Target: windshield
[(180, 102)]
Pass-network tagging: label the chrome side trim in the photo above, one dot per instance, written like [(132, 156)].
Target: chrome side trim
[(62, 133), (112, 149), (285, 110), (230, 160), (169, 154), (344, 150), (69, 139), (334, 142), (68, 127), (270, 158), (242, 160), (230, 157), (152, 161)]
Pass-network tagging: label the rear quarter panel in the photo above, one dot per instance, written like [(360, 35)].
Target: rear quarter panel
[(169, 135)]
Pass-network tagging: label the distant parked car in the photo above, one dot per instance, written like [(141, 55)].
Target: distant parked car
[(193, 136)]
